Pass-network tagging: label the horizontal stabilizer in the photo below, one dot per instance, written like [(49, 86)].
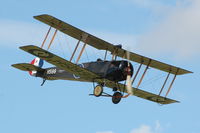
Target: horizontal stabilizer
[(27, 67)]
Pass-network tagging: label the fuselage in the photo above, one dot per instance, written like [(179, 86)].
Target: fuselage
[(112, 70)]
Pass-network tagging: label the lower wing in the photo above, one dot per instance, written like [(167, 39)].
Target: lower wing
[(141, 93)]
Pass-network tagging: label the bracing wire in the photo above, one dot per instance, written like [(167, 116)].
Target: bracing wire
[(70, 49), (152, 80), (93, 53), (68, 45), (62, 49)]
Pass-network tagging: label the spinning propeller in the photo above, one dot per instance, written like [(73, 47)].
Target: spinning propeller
[(128, 78)]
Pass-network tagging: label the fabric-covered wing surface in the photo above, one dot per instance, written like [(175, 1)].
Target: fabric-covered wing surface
[(59, 62), (103, 45), (143, 94), (74, 32)]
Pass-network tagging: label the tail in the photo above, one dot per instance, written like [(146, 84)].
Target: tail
[(34, 68), (38, 63)]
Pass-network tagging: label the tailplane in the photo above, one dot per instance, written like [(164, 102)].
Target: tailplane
[(33, 68)]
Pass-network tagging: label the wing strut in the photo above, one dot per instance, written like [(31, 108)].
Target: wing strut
[(47, 34), (137, 73), (164, 84), (81, 53), (172, 83), (113, 56), (52, 39), (75, 50), (143, 74), (46, 37), (105, 55)]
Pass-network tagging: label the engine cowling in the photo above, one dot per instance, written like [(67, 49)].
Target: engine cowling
[(118, 70)]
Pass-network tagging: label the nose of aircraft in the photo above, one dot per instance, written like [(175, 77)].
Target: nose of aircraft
[(127, 69)]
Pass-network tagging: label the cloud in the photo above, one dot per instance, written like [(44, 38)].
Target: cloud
[(14, 32), (18, 32), (177, 34), (105, 132), (148, 129), (157, 8), (151, 4), (158, 128), (142, 129)]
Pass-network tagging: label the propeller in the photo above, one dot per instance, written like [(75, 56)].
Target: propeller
[(128, 78)]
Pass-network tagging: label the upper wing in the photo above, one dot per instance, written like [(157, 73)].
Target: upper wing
[(103, 45), (74, 32), (60, 62), (142, 94)]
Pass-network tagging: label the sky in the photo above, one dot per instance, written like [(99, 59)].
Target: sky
[(167, 31)]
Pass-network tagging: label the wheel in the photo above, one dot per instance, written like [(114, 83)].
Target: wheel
[(116, 98), (98, 90)]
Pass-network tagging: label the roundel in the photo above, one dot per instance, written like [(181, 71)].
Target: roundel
[(75, 76)]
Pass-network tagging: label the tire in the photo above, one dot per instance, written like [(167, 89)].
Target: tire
[(116, 98), (98, 90)]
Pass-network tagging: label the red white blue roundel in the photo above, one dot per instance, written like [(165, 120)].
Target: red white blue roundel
[(75, 76)]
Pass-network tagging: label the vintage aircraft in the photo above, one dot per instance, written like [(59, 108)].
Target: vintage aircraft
[(103, 72)]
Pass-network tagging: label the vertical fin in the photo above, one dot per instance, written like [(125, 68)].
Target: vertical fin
[(37, 62)]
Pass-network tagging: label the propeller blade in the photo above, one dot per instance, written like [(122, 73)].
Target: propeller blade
[(128, 78)]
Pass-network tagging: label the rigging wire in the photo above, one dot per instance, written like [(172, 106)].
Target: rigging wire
[(151, 81), (69, 47), (62, 49), (93, 53)]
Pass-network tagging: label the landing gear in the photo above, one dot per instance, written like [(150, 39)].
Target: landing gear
[(98, 90), (116, 98), (43, 82)]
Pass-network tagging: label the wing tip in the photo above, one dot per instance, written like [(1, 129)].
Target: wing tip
[(169, 101), (22, 47), (41, 15), (18, 67), (188, 72), (13, 65)]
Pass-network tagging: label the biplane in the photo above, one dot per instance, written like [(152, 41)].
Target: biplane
[(103, 73)]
